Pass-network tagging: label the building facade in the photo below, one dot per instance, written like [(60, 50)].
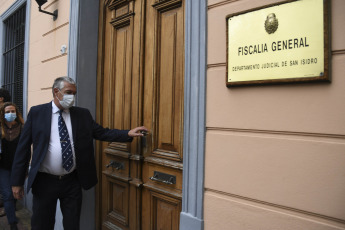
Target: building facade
[(274, 153)]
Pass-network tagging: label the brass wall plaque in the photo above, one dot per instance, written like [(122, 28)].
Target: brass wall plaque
[(288, 42)]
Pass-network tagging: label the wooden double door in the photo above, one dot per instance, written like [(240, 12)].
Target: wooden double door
[(141, 82)]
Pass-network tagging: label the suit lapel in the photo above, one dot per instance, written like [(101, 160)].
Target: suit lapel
[(47, 122), (45, 125), (74, 123)]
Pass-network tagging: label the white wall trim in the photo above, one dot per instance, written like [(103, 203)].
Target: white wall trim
[(194, 115), (73, 39)]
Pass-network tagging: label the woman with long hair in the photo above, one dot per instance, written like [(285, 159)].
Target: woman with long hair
[(11, 126)]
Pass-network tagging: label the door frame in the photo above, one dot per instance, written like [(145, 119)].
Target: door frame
[(191, 216), (82, 67)]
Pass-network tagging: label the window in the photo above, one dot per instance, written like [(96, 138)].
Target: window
[(13, 55)]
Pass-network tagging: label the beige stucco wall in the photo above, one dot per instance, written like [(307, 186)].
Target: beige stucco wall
[(5, 4), (45, 59), (275, 155), (45, 40)]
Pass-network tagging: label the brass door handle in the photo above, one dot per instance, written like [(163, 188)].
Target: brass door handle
[(145, 133), (144, 138)]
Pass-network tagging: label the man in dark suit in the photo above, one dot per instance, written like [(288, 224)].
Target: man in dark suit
[(60, 166)]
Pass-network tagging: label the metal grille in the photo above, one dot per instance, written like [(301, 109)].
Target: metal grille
[(14, 28)]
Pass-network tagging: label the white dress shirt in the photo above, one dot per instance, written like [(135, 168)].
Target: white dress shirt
[(52, 162)]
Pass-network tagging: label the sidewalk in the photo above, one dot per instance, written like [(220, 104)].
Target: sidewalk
[(24, 218)]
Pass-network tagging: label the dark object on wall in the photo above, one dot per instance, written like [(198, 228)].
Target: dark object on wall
[(40, 3)]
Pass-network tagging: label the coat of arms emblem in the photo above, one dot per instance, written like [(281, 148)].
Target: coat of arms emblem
[(271, 23)]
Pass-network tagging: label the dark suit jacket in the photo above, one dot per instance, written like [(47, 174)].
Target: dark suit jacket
[(36, 131)]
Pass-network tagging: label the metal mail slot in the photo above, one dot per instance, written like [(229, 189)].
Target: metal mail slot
[(163, 177), (116, 165)]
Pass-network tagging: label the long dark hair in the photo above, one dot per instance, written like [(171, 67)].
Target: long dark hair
[(5, 94), (19, 119)]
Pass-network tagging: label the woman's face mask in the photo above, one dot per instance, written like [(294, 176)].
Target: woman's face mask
[(10, 117)]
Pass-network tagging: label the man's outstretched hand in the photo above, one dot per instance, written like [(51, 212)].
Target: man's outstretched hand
[(138, 131)]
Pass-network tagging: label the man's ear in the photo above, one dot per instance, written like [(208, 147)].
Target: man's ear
[(56, 90)]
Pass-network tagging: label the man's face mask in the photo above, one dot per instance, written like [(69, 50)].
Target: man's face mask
[(67, 100)]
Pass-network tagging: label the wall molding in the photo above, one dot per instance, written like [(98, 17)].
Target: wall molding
[(55, 29), (215, 65), (53, 58), (47, 6), (221, 3), (272, 205), (338, 52), (270, 132)]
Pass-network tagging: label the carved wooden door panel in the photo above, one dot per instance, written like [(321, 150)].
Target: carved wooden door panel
[(140, 82), (163, 114)]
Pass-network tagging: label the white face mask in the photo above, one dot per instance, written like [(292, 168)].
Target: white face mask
[(67, 100)]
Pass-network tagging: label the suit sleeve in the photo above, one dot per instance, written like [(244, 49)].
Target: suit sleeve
[(106, 134), (23, 154)]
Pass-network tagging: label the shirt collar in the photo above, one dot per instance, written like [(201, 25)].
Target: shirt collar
[(56, 109)]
